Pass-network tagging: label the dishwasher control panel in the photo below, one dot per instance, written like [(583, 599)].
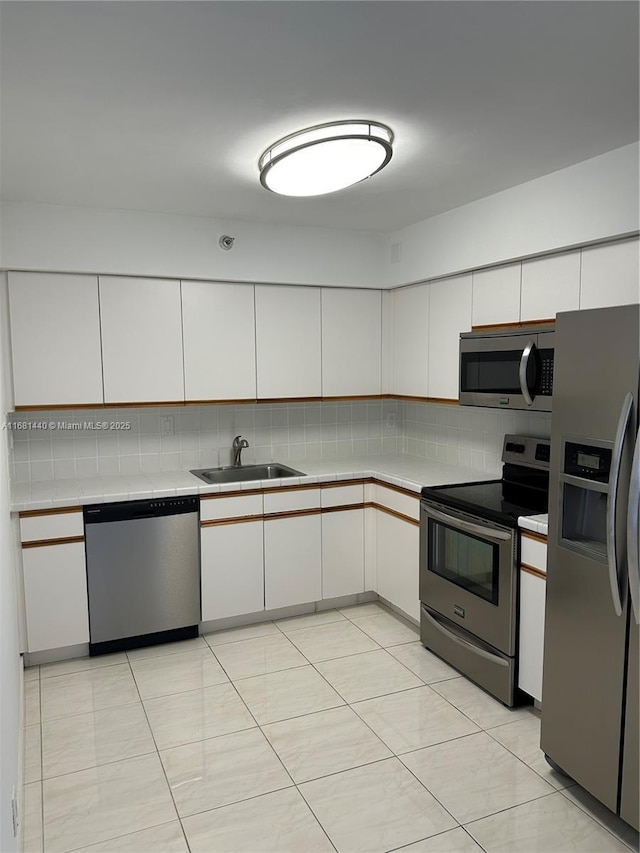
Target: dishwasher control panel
[(129, 510)]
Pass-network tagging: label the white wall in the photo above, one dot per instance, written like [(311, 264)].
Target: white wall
[(76, 239), (10, 665), (594, 200)]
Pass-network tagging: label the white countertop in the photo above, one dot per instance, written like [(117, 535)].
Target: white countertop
[(409, 472), (535, 523)]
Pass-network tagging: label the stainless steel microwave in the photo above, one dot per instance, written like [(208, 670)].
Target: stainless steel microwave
[(507, 369)]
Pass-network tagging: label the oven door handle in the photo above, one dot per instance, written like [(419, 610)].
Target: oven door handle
[(522, 374), (486, 532), (464, 643)]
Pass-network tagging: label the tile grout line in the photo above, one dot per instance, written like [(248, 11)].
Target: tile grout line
[(164, 772)]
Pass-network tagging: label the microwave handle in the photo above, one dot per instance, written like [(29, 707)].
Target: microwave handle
[(524, 364), (633, 520), (612, 504)]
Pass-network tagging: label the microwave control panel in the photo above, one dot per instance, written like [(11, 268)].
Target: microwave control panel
[(546, 373)]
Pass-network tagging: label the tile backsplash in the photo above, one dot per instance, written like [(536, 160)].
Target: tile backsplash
[(179, 438)]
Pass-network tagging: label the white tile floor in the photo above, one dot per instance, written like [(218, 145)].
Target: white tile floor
[(335, 731)]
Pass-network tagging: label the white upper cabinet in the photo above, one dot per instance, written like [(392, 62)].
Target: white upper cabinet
[(610, 275), (409, 335), (55, 336), (351, 342), (496, 296), (449, 314), (288, 344), (550, 285), (141, 340), (219, 330)]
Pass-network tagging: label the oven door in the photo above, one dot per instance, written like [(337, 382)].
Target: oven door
[(467, 573), (511, 372)]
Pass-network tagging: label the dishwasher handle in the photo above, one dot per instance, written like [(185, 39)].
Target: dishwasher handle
[(130, 510)]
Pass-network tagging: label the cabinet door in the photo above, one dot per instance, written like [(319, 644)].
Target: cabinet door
[(342, 553), (351, 342), (55, 339), (141, 340), (410, 347), (550, 285), (496, 296), (232, 566), (397, 551), (292, 561), (219, 329), (609, 275), (532, 602), (449, 314), (288, 342), (55, 592)]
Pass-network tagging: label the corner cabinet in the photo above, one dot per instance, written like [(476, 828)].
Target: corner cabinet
[(219, 332), (410, 343), (55, 336), (55, 579), (533, 586), (288, 342), (342, 540), (141, 340), (398, 548)]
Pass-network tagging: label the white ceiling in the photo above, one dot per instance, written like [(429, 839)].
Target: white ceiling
[(167, 106)]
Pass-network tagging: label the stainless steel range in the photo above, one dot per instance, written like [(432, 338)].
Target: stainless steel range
[(469, 549)]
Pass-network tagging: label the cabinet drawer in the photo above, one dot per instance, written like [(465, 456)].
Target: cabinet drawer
[(291, 500), (404, 504), (533, 552), (342, 495), (59, 525), (234, 506)]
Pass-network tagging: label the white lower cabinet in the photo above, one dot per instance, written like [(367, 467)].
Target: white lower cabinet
[(532, 603), (292, 560), (342, 553), (232, 569), (397, 551), (55, 591)]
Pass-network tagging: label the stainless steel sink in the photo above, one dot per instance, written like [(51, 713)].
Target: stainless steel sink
[(241, 473)]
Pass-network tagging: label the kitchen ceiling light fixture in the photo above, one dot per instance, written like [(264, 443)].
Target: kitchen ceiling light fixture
[(326, 157)]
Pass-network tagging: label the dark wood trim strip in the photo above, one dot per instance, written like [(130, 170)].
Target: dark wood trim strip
[(238, 402), (294, 513), (272, 400), (58, 510), (238, 494), (392, 512), (214, 522), (40, 543), (58, 406), (537, 537), (400, 489), (240, 519), (339, 484), (409, 398), (341, 508), (516, 324), (531, 570), (347, 397)]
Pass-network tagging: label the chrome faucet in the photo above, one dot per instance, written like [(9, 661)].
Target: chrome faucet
[(238, 446)]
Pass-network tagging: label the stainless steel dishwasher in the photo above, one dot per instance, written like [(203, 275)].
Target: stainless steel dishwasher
[(143, 572)]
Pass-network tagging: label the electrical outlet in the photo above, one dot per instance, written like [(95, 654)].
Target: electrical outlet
[(390, 421), (166, 424), (14, 812)]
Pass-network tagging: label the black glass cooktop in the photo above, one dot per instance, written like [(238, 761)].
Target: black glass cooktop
[(498, 500)]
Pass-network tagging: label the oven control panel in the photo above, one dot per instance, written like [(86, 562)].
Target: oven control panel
[(527, 450)]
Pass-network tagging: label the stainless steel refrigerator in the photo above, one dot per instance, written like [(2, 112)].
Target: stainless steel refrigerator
[(590, 680)]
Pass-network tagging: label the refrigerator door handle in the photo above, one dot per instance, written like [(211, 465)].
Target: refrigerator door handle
[(612, 503), (633, 544), (522, 375)]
